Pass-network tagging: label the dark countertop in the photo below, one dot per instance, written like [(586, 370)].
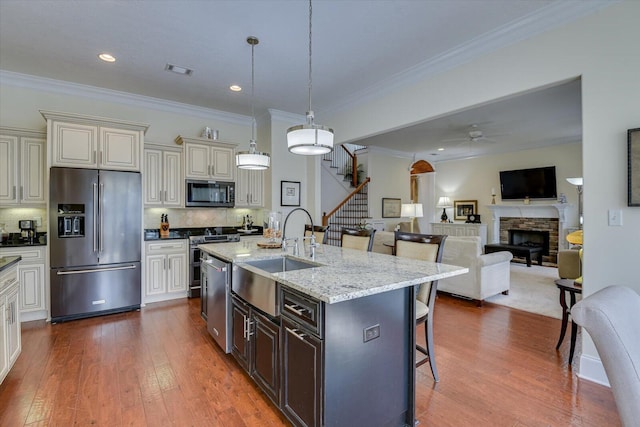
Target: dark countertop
[(151, 234), (8, 262), (20, 244)]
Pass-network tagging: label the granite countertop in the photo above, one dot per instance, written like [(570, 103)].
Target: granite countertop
[(8, 261), (20, 244), (344, 274)]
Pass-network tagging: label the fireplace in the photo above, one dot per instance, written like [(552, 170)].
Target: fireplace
[(530, 238)]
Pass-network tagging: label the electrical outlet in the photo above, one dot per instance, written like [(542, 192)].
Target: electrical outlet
[(371, 333)]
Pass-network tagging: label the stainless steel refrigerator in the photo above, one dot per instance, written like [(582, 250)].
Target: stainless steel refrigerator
[(95, 238)]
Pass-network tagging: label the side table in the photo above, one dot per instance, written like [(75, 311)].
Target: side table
[(568, 285)]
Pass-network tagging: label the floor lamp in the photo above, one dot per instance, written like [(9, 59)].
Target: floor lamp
[(578, 183), (411, 210)]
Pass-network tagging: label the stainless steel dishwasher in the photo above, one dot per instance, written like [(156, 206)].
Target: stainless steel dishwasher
[(218, 297)]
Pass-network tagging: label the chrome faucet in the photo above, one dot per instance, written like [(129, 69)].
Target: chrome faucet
[(312, 237)]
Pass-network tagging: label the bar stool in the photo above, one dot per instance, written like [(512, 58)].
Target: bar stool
[(357, 239)]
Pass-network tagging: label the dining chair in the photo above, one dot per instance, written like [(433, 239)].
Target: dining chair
[(357, 239), (320, 232), (425, 247)]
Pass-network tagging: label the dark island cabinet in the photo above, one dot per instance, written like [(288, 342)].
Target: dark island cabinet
[(302, 361), (256, 346)]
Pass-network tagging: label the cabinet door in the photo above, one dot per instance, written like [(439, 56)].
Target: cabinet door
[(8, 169), (255, 188), (152, 177), (265, 355), (31, 287), (4, 326), (239, 333), (223, 163), (302, 361), (155, 275), (242, 188), (119, 149), (177, 272), (14, 344), (197, 161), (32, 171), (74, 145), (172, 179)]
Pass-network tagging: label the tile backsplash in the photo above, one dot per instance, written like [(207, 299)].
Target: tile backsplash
[(207, 217), (10, 217)]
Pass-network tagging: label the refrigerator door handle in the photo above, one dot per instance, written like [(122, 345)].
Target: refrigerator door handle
[(95, 217), (101, 217), (95, 270)]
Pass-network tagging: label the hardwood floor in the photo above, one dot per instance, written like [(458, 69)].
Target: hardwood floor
[(157, 367)]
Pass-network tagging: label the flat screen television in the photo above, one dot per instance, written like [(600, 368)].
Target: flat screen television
[(535, 183)]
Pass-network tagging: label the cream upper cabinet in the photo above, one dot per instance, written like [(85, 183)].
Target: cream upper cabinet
[(162, 176), (94, 142), (22, 167), (206, 159), (249, 188)]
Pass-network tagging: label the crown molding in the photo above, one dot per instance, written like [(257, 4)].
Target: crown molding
[(27, 81), (547, 18), (284, 116)]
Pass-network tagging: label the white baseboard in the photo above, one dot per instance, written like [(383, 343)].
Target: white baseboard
[(591, 369)]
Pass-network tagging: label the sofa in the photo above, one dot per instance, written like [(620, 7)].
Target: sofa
[(489, 274)]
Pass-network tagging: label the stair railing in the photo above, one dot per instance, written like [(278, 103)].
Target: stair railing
[(358, 189)]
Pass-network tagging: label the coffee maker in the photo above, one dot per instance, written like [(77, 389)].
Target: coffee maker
[(27, 229)]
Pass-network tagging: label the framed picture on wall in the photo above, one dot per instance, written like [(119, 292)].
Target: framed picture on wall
[(289, 193), (462, 208), (633, 141), (391, 208)]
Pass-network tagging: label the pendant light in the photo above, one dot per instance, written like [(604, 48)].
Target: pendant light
[(252, 159), (310, 138)]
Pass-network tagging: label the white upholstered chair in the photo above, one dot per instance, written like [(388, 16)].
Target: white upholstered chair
[(357, 239), (610, 316)]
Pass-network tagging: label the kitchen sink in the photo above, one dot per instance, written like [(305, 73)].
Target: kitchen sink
[(262, 291), (282, 264)]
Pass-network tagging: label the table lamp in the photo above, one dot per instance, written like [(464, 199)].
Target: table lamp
[(444, 202), (575, 238), (411, 210)]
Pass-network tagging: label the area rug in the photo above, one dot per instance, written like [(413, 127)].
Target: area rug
[(533, 290)]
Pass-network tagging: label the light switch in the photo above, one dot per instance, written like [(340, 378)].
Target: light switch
[(615, 218)]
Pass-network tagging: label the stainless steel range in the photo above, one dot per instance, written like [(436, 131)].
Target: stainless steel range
[(209, 235)]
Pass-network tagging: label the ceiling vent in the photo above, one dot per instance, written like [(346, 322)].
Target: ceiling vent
[(178, 69)]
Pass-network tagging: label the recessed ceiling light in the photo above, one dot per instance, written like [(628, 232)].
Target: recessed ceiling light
[(178, 69), (107, 57), (441, 149), (235, 88)]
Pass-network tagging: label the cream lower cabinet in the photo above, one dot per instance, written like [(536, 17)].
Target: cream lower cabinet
[(162, 177), (94, 142), (10, 335), (249, 189), (22, 167), (31, 274), (166, 270), (205, 159)]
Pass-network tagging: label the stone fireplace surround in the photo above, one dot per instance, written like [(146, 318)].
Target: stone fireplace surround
[(538, 217)]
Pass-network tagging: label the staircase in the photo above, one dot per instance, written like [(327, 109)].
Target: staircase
[(354, 209)]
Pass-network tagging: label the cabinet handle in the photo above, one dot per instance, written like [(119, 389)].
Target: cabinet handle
[(93, 160), (295, 309), (160, 196), (244, 327), (21, 192), (165, 195), (295, 333), (14, 192), (100, 157), (249, 327)]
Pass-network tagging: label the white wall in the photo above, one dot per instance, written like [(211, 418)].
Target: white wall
[(473, 179), (602, 49)]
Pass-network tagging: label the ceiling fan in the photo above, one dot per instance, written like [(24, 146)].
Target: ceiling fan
[(473, 135)]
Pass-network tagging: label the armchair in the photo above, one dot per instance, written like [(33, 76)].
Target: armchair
[(489, 274)]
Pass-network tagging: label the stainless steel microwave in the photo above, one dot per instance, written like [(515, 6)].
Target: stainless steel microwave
[(209, 194)]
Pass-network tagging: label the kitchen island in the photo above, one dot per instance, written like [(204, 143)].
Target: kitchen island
[(339, 348)]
